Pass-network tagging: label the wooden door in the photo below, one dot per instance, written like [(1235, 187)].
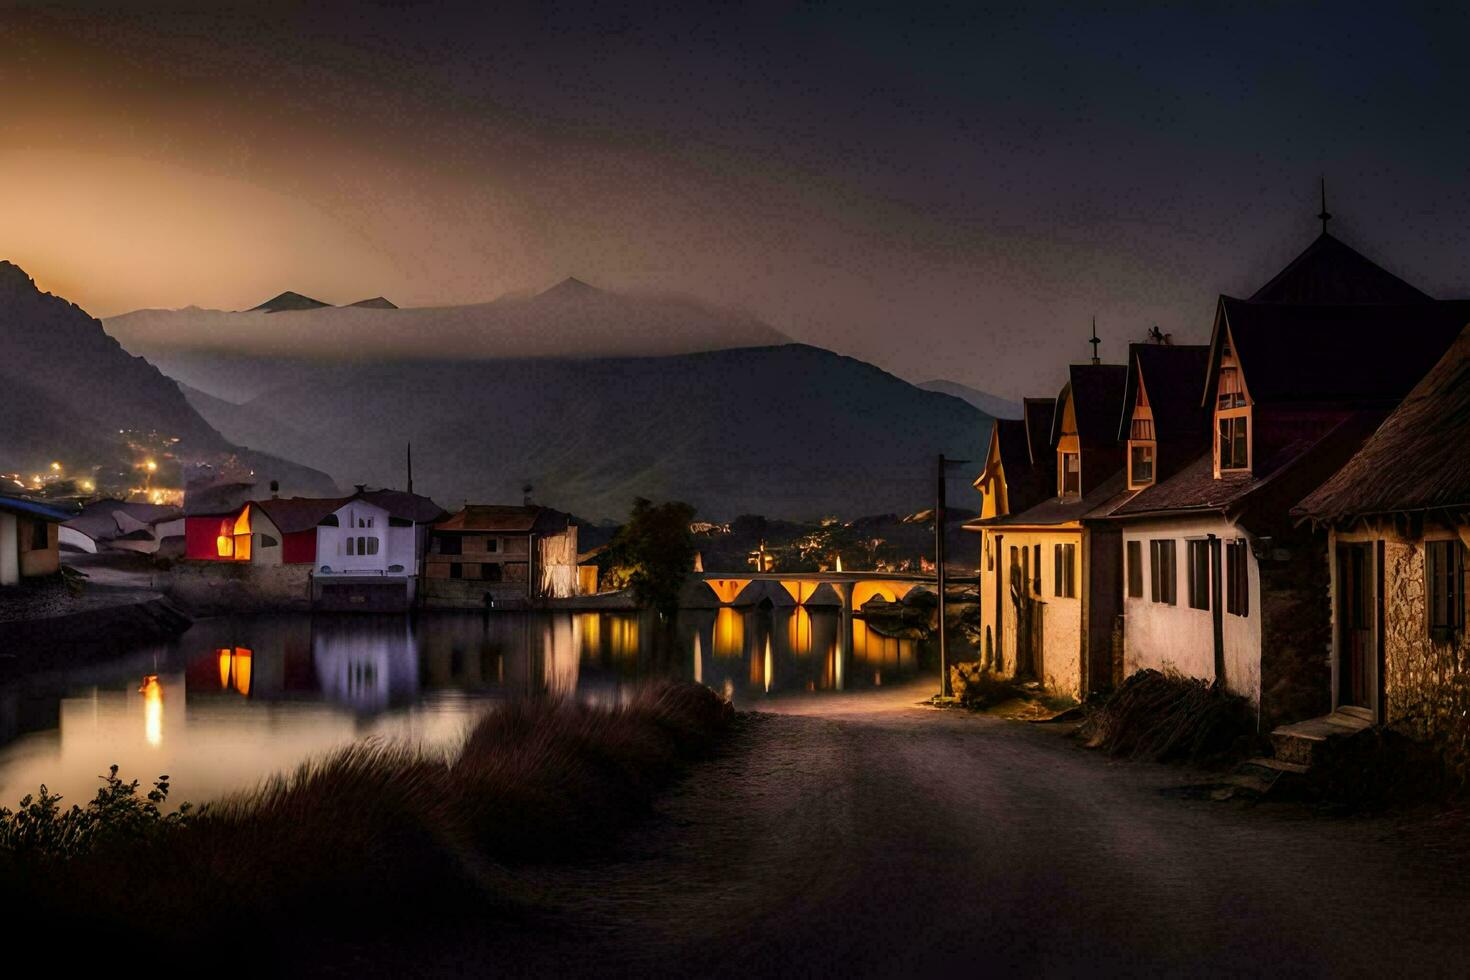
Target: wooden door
[(1357, 625)]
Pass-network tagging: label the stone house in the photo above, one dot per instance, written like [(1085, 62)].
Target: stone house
[(1221, 581), (501, 556), (1398, 522)]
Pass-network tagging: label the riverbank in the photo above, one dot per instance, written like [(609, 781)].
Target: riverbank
[(375, 833), (45, 625)]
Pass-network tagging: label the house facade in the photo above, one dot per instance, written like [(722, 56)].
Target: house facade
[(29, 537), (1398, 523), (1221, 582), (489, 555), (1047, 575)]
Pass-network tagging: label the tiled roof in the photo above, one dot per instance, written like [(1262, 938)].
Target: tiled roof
[(1063, 510), (294, 514), (504, 519), (1097, 400)]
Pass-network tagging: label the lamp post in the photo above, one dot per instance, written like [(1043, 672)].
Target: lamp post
[(941, 470)]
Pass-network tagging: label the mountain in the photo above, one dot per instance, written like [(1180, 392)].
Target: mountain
[(288, 301), (376, 303), (993, 405), (787, 431), (71, 393), (572, 319)]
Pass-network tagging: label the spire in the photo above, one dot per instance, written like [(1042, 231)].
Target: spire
[(1324, 216), (410, 467), (1094, 341)]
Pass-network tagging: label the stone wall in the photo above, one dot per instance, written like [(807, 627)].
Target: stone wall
[(207, 587), (1426, 685), (1296, 617)]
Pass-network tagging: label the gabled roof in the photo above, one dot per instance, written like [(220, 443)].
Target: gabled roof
[(1097, 398), (1099, 502), (404, 506), (1417, 460), (105, 520), (505, 519), (1330, 272), (1038, 414), (292, 515), (1171, 376), (1337, 355)]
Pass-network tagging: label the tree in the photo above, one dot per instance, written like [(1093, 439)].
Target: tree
[(653, 553)]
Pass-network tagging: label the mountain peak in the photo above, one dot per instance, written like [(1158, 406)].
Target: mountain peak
[(13, 278), (289, 301), (570, 288), (376, 303)]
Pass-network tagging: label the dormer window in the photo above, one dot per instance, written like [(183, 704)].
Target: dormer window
[(1141, 443), (1069, 470), (1232, 416)]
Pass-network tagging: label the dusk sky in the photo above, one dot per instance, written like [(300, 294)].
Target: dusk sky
[(950, 193)]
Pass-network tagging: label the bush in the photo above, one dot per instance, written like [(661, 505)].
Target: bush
[(379, 826), (1168, 717), (117, 815)]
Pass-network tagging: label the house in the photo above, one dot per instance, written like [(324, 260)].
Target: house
[(1398, 522), (1040, 558), (117, 525), (368, 549), (1020, 472), (29, 536), (217, 521), (501, 555), (1220, 581)]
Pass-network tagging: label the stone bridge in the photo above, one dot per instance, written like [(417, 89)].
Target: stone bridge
[(846, 590)]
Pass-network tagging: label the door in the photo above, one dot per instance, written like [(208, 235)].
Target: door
[(1357, 626), (1027, 613)]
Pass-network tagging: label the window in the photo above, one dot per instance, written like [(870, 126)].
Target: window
[(1444, 576), (490, 572), (364, 522), (989, 555), (1036, 569), (40, 536), (1135, 569), (448, 545), (266, 541), (1163, 575), (1237, 578), (1232, 392), (1140, 464), (365, 546), (1234, 442), (1199, 574), (456, 570), (492, 544), (1064, 560), (1071, 473)]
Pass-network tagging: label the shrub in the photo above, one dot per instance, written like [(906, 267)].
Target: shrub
[(1168, 717), (116, 815)]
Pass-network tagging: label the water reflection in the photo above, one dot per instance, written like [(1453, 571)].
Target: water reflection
[(236, 699)]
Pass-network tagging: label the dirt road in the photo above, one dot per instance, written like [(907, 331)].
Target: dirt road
[(866, 837)]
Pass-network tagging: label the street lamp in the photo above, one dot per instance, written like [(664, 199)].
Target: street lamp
[(939, 508)]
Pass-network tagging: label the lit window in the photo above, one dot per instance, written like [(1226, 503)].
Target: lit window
[(1234, 442)]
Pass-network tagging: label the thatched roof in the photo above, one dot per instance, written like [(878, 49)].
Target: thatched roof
[(1418, 459), (1330, 272)]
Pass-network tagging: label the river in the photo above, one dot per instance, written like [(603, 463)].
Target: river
[(235, 700)]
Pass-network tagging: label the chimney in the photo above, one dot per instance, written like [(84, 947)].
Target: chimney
[(526, 495), (361, 487), (275, 489)]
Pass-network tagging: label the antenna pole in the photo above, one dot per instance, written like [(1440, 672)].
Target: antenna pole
[(1094, 341), (410, 467), (1324, 215)]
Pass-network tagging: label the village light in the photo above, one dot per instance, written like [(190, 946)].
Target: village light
[(150, 466), (55, 467)]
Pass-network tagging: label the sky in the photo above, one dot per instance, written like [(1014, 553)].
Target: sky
[(952, 191)]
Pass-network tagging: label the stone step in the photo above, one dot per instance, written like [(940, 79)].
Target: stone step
[(1303, 743), (1297, 749)]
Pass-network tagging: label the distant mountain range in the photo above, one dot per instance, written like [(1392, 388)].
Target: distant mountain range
[(68, 390), (572, 319), (993, 405), (786, 431)]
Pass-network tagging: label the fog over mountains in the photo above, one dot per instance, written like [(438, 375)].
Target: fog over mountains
[(592, 397)]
